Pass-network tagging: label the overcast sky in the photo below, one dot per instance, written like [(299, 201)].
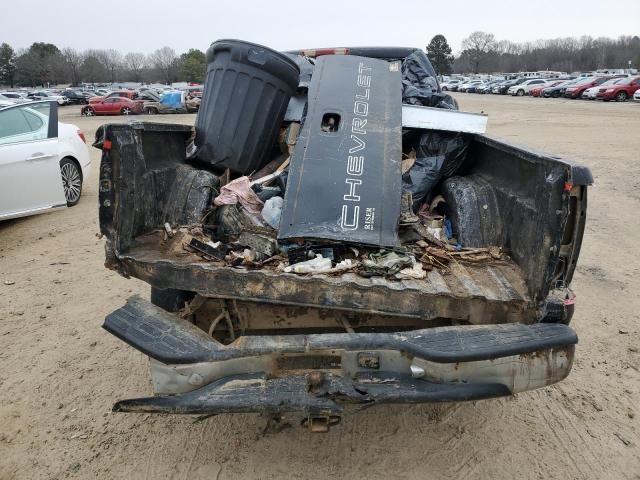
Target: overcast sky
[(136, 25)]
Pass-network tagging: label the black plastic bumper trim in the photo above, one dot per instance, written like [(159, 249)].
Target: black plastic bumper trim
[(172, 340), (254, 393)]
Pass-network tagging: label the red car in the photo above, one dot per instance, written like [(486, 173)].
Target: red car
[(112, 106), (620, 91), (575, 91), (130, 94), (537, 91)]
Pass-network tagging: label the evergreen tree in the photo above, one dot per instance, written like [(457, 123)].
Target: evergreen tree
[(7, 65), (194, 65), (439, 53)]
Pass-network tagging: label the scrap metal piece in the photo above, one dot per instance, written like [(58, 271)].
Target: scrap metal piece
[(344, 180), (320, 424), (208, 250), (369, 360), (260, 243), (296, 108), (416, 371), (430, 118)]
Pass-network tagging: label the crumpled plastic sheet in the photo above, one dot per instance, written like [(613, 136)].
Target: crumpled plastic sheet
[(385, 264), (416, 272), (438, 155), (239, 191), (420, 84)]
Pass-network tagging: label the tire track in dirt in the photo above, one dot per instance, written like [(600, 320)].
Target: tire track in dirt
[(572, 444)]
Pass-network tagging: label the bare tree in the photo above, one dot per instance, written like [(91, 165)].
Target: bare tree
[(112, 61), (165, 60), (477, 45), (74, 60), (134, 63)]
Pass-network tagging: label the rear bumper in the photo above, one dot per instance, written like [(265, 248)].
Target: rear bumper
[(321, 373), (258, 393)]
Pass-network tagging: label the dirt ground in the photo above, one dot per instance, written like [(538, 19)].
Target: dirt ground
[(60, 372)]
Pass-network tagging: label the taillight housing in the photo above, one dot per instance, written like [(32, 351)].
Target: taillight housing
[(81, 135)]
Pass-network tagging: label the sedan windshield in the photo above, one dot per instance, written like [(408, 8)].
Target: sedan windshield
[(585, 81), (627, 81), (611, 81)]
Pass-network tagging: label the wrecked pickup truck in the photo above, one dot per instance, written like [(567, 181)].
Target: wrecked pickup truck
[(325, 244), (171, 102)]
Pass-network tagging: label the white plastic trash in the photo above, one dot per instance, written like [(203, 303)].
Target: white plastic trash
[(316, 265), (272, 211)]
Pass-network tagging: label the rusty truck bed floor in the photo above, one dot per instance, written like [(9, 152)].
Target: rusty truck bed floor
[(475, 293)]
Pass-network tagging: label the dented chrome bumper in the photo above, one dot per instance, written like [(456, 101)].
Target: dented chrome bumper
[(320, 373)]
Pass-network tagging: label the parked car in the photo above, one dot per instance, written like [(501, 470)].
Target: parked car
[(558, 90), (473, 87), (523, 88), (172, 102), (42, 95), (74, 97), (224, 337), (621, 91), (592, 92), (148, 96), (575, 91), (488, 87), (130, 94), (465, 86), (537, 90), (636, 96), (112, 106), (505, 86), (14, 97), (497, 88), (451, 85), (43, 162)]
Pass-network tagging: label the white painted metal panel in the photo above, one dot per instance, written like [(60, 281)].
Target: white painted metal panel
[(442, 119)]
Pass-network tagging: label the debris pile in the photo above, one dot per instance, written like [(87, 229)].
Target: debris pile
[(340, 192)]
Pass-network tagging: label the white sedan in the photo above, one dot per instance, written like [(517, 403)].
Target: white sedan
[(13, 97), (42, 162), (62, 100), (636, 96), (525, 87)]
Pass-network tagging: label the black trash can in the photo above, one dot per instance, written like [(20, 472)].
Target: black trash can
[(245, 97)]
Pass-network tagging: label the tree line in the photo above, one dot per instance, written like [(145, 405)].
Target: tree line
[(482, 53), (44, 64)]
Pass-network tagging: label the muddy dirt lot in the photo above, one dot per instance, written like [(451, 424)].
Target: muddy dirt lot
[(60, 372)]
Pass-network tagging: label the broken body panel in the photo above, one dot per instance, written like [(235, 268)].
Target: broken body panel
[(348, 153)]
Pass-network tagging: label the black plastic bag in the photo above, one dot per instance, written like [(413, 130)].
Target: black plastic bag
[(438, 155), (420, 84)]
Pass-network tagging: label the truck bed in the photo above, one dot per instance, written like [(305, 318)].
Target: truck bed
[(529, 204), (495, 292)]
